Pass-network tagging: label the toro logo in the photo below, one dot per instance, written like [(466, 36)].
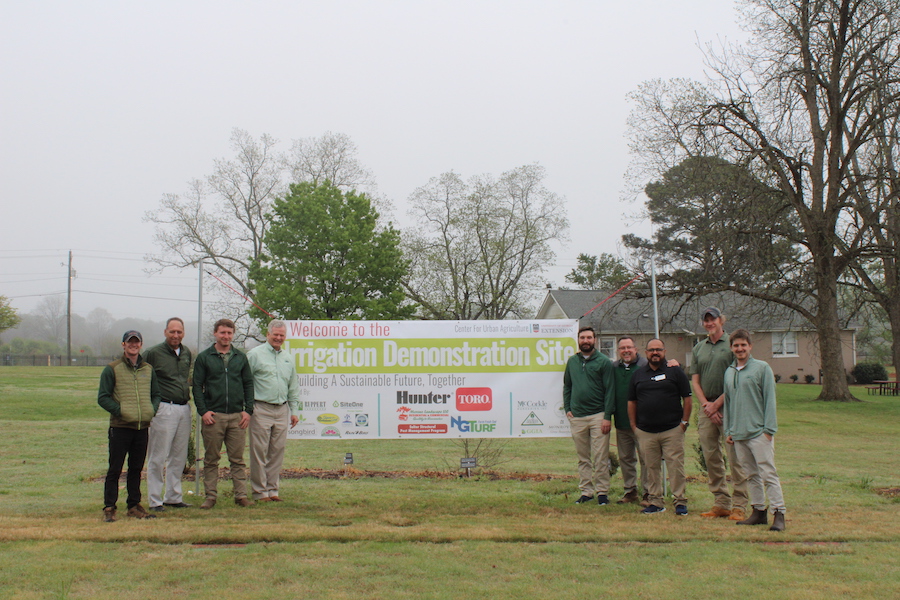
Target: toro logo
[(473, 398)]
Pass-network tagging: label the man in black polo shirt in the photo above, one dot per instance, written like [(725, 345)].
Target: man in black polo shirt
[(659, 408)]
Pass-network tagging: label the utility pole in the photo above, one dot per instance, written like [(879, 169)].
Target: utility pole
[(197, 427), (69, 317)]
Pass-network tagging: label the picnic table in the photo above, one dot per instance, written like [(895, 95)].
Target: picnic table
[(884, 387)]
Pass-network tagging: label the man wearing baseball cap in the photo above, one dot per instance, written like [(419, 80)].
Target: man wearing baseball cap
[(129, 392), (710, 358)]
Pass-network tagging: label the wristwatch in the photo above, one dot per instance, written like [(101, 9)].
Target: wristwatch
[(686, 424)]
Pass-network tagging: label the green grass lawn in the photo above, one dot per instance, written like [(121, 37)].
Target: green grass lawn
[(426, 537)]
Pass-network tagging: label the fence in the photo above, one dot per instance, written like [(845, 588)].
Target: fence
[(53, 360)]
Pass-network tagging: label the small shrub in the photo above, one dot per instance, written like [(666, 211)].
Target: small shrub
[(777, 377), (867, 372), (794, 378), (810, 378)]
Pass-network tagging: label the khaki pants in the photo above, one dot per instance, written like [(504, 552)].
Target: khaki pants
[(757, 457), (226, 429), (712, 438), (592, 448), (268, 434), (665, 446), (629, 456)]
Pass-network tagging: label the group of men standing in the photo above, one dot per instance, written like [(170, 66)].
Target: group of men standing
[(148, 400), (650, 400)]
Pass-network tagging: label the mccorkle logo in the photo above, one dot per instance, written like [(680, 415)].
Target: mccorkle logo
[(473, 398)]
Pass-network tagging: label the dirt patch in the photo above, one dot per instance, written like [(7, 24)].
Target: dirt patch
[(893, 492), (352, 473)]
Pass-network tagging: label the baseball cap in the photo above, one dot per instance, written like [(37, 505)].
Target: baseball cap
[(712, 311), (132, 333)]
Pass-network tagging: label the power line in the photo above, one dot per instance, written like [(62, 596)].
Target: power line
[(130, 296), (136, 282)]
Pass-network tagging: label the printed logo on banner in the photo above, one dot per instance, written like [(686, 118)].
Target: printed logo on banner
[(532, 419), (310, 405), (355, 432), (305, 431), (404, 397), (403, 413), (362, 420), (535, 328), (480, 398), (472, 426), (530, 404), (327, 419), (348, 419), (421, 428), (331, 432)]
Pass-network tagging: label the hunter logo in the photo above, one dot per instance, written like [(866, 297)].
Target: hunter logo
[(404, 397), (480, 398)]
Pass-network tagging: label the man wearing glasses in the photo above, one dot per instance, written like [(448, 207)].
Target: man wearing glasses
[(659, 409)]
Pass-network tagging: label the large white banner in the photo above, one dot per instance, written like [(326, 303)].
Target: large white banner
[(431, 379)]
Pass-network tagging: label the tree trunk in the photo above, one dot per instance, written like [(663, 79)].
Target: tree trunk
[(834, 378)]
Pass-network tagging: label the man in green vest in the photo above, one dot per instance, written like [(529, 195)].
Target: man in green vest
[(129, 392)]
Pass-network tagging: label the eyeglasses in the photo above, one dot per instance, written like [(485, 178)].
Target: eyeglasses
[(655, 350)]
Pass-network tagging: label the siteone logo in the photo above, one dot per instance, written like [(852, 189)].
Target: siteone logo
[(479, 398)]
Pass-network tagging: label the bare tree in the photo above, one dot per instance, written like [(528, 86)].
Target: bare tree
[(224, 218), (795, 106), (331, 157), (52, 312), (480, 246)]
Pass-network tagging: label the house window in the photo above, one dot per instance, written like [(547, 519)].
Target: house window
[(608, 347), (784, 343)]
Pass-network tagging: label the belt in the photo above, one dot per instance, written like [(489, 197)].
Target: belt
[(173, 402)]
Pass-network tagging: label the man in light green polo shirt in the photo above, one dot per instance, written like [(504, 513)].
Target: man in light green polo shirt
[(276, 409)]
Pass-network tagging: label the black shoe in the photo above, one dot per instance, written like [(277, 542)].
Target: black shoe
[(602, 499), (584, 500), (177, 504), (157, 508)]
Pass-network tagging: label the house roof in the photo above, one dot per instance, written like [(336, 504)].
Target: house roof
[(622, 314)]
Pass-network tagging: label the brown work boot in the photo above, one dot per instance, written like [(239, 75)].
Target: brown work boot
[(275, 499), (737, 514), (777, 522), (245, 502), (629, 498), (137, 511), (716, 511), (208, 503), (264, 499), (645, 500), (757, 517), (109, 514)]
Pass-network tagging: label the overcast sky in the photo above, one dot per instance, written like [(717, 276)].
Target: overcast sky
[(106, 106)]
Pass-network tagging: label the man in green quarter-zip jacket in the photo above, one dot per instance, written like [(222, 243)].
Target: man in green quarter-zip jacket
[(129, 392), (588, 386), (223, 395), (750, 423)]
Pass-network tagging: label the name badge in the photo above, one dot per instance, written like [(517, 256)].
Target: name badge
[(659, 377)]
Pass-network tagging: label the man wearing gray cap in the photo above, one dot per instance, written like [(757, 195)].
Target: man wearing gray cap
[(129, 392), (710, 358)]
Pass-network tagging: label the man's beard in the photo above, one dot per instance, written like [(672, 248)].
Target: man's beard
[(586, 348)]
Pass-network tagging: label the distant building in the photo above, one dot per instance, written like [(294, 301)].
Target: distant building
[(780, 337)]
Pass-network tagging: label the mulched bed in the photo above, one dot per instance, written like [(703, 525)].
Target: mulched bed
[(352, 473)]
